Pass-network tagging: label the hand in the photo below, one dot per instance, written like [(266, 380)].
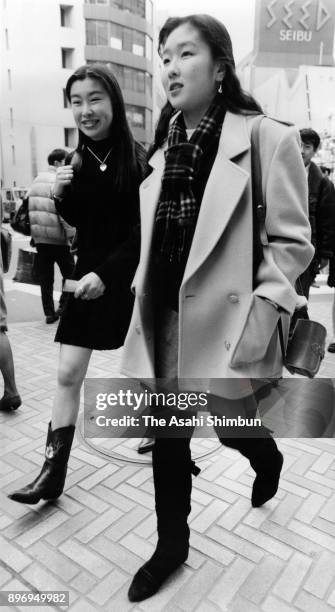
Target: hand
[(64, 176), (90, 287), (323, 262)]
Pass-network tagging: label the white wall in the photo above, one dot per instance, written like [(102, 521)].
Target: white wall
[(35, 39)]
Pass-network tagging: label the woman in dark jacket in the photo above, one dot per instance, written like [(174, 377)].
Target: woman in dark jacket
[(97, 194)]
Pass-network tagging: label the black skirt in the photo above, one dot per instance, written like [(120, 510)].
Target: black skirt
[(100, 324)]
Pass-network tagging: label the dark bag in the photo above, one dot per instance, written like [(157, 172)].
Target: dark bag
[(306, 347), (21, 221), (6, 248)]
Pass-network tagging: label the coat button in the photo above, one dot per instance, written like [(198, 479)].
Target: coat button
[(138, 329), (233, 298)]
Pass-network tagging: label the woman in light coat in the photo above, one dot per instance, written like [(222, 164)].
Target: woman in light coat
[(199, 314)]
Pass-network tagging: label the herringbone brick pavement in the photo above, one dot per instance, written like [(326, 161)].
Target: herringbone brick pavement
[(278, 558)]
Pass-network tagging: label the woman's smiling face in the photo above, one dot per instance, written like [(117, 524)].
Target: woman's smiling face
[(190, 76), (92, 108)]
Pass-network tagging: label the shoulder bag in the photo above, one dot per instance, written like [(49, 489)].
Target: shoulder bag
[(21, 221), (306, 347)]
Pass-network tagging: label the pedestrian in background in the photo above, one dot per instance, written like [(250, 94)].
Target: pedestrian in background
[(321, 212), (51, 235), (98, 195), (11, 398), (213, 321)]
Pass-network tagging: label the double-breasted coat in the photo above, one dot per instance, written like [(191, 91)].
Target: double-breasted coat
[(227, 329)]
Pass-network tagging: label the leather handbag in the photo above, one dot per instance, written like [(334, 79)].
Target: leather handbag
[(21, 221), (306, 347), (6, 248)]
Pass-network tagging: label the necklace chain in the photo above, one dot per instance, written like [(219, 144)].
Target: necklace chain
[(102, 162)]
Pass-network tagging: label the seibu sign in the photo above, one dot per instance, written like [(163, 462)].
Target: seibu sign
[(298, 27)]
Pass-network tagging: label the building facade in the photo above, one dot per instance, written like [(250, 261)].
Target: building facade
[(41, 43), (291, 68), (120, 34)]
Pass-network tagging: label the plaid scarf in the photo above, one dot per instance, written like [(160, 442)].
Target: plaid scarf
[(178, 209)]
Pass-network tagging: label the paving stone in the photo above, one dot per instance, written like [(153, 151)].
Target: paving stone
[(308, 603), (12, 555), (236, 544), (107, 587), (196, 589), (126, 523), (321, 575), (70, 527), (114, 498), (286, 509), (82, 555), (261, 579), (117, 555), (56, 562), (313, 534), (98, 525), (208, 516), (231, 582), (42, 528), (310, 508), (328, 511), (273, 604), (84, 582), (264, 542), (293, 576)]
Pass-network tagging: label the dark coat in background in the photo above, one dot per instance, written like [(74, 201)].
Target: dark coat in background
[(321, 201)]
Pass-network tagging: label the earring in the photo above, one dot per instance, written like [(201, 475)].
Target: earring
[(220, 88)]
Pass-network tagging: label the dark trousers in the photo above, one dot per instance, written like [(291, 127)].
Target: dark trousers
[(172, 471), (47, 256)]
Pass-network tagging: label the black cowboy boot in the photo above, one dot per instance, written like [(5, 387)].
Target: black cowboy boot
[(172, 469), (49, 484)]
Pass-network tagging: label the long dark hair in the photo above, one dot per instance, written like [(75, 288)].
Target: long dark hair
[(214, 33), (120, 134)]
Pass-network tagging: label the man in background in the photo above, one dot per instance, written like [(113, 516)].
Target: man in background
[(321, 203), (51, 235)]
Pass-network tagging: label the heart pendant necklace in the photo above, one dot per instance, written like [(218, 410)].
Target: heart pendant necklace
[(102, 162)]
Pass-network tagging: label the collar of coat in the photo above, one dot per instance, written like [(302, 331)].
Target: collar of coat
[(234, 140)]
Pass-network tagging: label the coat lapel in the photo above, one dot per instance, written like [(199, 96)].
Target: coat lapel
[(223, 191)]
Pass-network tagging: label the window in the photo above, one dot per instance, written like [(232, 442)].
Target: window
[(11, 117), (102, 33), (70, 139), (66, 102), (116, 36), (9, 77), (137, 42), (13, 155), (67, 58), (131, 78), (66, 16), (90, 32)]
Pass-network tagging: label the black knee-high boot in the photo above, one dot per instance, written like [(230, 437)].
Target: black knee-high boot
[(172, 469), (49, 484), (265, 459)]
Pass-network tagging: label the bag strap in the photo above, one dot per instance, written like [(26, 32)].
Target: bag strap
[(258, 203)]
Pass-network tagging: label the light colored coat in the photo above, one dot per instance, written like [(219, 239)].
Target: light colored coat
[(227, 330), (46, 225)]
